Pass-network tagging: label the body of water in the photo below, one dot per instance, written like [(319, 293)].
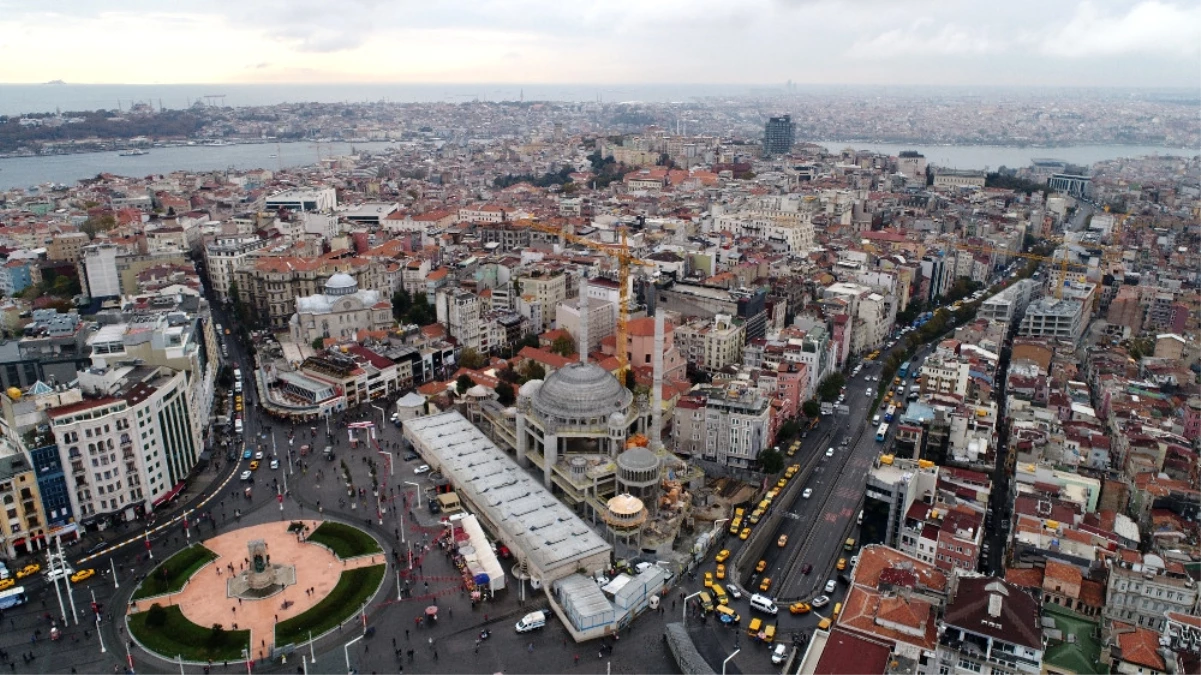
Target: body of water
[(994, 156), (24, 172)]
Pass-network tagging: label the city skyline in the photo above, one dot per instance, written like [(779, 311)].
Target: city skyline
[(1151, 43)]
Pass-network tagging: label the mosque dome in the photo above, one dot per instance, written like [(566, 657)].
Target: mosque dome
[(581, 390), (341, 284)]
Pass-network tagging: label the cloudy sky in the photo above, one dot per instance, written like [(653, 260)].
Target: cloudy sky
[(933, 42)]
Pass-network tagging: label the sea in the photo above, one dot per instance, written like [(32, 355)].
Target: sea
[(25, 172)]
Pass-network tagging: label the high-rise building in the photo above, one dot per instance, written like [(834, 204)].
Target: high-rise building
[(778, 136)]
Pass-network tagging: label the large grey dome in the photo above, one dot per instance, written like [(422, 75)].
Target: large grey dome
[(581, 390), (638, 459)]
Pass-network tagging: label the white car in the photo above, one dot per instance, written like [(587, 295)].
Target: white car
[(779, 654), (59, 572), (734, 592), (807, 493), (830, 586), (246, 475), (424, 468), (275, 464), (830, 452), (258, 455), (819, 601)]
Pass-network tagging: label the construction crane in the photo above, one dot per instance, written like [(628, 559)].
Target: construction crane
[(1062, 262), (625, 260)]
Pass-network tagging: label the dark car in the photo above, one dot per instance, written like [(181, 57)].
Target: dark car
[(409, 457), (806, 568), (97, 547), (503, 552), (433, 506)]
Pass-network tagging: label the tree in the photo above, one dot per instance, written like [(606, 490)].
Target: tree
[(534, 371), (812, 408), (831, 387), (770, 460), (528, 340), (789, 429), (401, 302), (563, 346), (420, 311), (463, 383), (472, 359), (318, 343), (504, 394), (96, 224)]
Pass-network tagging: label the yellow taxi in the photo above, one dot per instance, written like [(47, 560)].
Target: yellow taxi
[(723, 555), (781, 483), (82, 576), (782, 541), (765, 584), (28, 570), (799, 608), (6, 584), (708, 579), (721, 572), (761, 566), (746, 532), (842, 564), (254, 465)]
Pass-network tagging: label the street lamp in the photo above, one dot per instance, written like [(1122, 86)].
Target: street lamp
[(382, 417), (346, 650), (723, 663), (391, 467)]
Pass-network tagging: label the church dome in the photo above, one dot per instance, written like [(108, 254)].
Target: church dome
[(341, 284), (581, 390)]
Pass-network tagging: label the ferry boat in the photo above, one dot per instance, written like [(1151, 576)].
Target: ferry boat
[(134, 152)]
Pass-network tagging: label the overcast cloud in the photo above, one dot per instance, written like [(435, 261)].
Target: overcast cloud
[(931, 42)]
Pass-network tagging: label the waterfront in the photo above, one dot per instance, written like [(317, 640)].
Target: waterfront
[(24, 172)]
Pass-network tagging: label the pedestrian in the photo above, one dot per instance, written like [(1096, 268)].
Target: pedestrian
[(530, 648), (577, 659), (435, 654), (406, 633)]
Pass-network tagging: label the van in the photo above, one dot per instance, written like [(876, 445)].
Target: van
[(238, 387), (764, 604), (837, 610), (769, 633), (719, 594), (706, 601), (238, 425), (237, 373), (754, 627), (876, 421), (850, 544), (824, 624), (531, 621), (730, 615)]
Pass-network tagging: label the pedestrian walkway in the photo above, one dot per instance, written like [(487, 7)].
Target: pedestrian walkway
[(205, 601)]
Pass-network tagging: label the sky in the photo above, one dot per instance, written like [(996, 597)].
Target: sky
[(1144, 43)]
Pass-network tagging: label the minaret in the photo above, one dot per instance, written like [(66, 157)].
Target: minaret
[(582, 348), (657, 385)]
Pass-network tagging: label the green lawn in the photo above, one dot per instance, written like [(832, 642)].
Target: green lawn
[(353, 589), (168, 633), (171, 575), (345, 541)]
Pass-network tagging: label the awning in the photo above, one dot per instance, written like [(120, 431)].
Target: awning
[(170, 494)]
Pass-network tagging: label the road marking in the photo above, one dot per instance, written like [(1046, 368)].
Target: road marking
[(830, 517)]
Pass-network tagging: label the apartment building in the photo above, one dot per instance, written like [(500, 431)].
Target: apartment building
[(737, 425), (1056, 319), (546, 287), (24, 527), (990, 626), (269, 285), (224, 257), (894, 487), (99, 262), (67, 246), (460, 311), (1010, 303), (711, 346), (945, 375), (128, 445), (303, 200), (1142, 587)]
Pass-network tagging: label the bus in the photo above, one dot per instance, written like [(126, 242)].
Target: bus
[(890, 413), (12, 597), (904, 371), (881, 433)]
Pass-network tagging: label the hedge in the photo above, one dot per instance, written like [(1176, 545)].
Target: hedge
[(167, 632), (354, 588), (344, 540), (171, 575)]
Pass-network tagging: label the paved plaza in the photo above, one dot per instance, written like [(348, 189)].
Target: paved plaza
[(205, 600)]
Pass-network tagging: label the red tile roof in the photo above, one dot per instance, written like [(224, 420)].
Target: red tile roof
[(849, 654)]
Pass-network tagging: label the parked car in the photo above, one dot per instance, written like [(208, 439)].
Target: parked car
[(424, 468), (819, 602), (779, 654), (411, 456), (831, 586)]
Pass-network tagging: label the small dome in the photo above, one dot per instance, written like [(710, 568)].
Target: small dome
[(625, 505), (530, 388), (582, 390), (478, 391), (638, 459), (341, 284)]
